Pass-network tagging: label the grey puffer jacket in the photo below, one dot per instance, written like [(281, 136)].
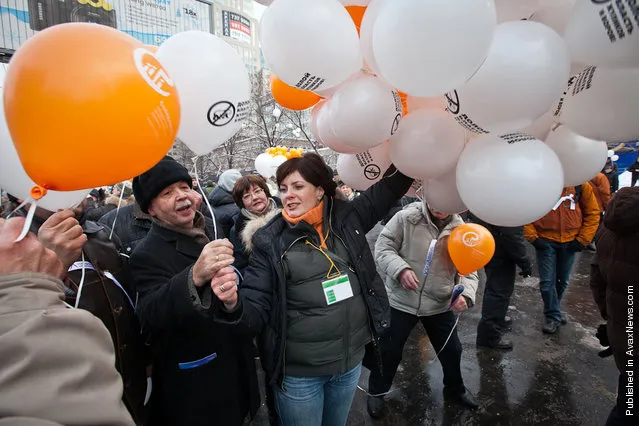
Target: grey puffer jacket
[(404, 243)]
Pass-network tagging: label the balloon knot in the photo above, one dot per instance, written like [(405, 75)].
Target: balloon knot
[(38, 192)]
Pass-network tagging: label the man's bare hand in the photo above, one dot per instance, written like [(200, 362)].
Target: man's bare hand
[(408, 279), (224, 286), (216, 255), (62, 233), (28, 255)]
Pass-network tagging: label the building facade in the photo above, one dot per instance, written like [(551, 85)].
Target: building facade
[(150, 21)]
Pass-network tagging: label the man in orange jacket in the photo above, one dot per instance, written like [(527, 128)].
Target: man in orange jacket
[(567, 229)]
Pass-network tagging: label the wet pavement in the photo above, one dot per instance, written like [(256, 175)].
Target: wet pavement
[(546, 380)]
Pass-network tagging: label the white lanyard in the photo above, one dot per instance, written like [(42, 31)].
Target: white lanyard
[(429, 257), (570, 197), (88, 265)]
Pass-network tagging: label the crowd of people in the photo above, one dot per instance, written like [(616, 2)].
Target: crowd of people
[(185, 296)]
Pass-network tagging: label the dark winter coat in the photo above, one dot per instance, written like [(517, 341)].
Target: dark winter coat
[(613, 177), (615, 268), (224, 209), (510, 245), (131, 226), (204, 372), (111, 299), (263, 295)]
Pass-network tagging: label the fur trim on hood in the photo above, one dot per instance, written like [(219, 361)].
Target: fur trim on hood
[(254, 225)]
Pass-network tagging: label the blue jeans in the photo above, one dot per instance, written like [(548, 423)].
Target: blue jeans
[(317, 401), (555, 262)]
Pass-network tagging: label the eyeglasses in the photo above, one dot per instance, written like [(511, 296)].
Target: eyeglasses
[(250, 195)]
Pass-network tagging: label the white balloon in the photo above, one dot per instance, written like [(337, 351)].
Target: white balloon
[(366, 34), (541, 128), (611, 153), (312, 124), (263, 164), (581, 158), (509, 180), (310, 44), (213, 85), (15, 180), (554, 14), (355, 2), (602, 104), (615, 157), (265, 2), (327, 135), (442, 195), (515, 10), (427, 48), (427, 145), (365, 112), (328, 93), (523, 75), (414, 103), (360, 171), (276, 162), (604, 33)]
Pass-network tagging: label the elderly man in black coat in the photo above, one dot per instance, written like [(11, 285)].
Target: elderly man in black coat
[(203, 372)]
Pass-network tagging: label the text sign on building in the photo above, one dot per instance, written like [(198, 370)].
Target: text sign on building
[(150, 21), (236, 26)]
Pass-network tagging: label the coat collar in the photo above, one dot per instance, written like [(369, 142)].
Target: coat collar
[(183, 244), (415, 214)]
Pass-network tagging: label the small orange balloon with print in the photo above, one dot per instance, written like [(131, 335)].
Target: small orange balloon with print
[(87, 105), (470, 247), (291, 97)]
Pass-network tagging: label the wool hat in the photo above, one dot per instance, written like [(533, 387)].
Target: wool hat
[(149, 184), (228, 178)]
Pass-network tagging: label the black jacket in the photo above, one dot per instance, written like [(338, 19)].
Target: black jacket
[(224, 209), (203, 373), (263, 303), (510, 245), (131, 226)]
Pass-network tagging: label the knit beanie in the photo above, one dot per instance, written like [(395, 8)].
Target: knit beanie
[(228, 178), (149, 184)]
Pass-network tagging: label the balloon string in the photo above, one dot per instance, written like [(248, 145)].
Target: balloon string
[(81, 285), (206, 199), (117, 211), (24, 203), (28, 220)]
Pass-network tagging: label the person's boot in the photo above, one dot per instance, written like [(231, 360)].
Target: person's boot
[(550, 326), (466, 399), (502, 344), (376, 406), (564, 319)]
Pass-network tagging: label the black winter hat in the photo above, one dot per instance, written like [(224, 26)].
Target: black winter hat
[(149, 184)]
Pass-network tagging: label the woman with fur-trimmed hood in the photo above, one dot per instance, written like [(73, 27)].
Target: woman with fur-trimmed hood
[(257, 208)]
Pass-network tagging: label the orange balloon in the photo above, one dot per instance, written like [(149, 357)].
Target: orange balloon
[(292, 97), (151, 48), (403, 96), (76, 92), (357, 14), (470, 247)]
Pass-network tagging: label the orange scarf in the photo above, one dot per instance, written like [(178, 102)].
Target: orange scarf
[(314, 217)]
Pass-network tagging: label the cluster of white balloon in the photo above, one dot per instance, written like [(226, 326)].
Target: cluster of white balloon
[(484, 83)]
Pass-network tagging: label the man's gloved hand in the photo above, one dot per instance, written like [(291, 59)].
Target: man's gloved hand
[(602, 335), (526, 272), (575, 246)]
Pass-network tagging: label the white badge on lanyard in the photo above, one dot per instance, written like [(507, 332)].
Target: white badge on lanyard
[(429, 257), (337, 289)]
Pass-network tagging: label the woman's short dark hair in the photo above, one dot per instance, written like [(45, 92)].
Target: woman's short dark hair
[(244, 184), (312, 168)]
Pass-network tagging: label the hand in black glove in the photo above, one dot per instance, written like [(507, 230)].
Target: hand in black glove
[(575, 246), (540, 244), (602, 335), (526, 271)]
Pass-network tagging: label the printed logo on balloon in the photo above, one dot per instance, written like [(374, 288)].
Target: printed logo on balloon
[(152, 71)]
